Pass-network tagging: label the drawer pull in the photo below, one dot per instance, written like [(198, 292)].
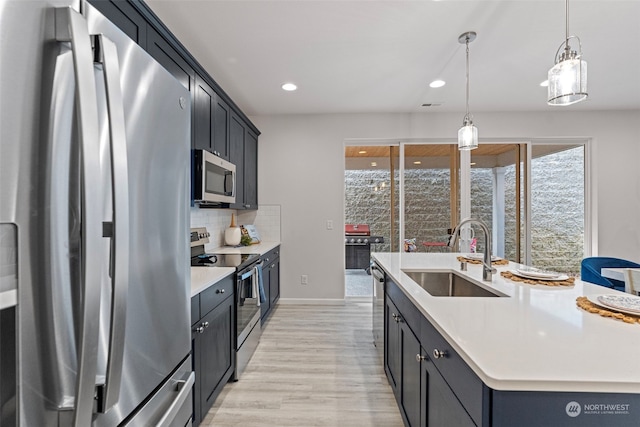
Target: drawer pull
[(219, 291), (420, 358), (437, 354)]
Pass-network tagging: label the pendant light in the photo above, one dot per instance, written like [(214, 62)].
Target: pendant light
[(468, 133), (568, 77)]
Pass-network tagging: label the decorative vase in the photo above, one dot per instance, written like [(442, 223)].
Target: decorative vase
[(232, 234)]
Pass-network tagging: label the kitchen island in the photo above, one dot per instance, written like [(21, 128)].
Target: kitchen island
[(532, 350)]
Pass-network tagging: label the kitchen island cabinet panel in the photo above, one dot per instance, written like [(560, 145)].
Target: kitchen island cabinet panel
[(425, 395), (463, 381), (439, 405), (392, 354), (410, 398), (533, 409)]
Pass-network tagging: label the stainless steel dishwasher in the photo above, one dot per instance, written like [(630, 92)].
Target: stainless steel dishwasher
[(378, 309)]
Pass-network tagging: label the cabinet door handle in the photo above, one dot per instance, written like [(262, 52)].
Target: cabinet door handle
[(437, 354), (273, 265), (219, 291), (200, 329), (420, 358)]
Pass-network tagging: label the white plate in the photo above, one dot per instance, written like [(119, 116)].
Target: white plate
[(538, 273), (630, 303), (594, 300), (536, 276), (480, 257)]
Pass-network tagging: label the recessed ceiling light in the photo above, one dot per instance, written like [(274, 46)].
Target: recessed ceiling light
[(545, 83), (417, 162), (362, 152), (289, 87), (437, 83), (374, 164)]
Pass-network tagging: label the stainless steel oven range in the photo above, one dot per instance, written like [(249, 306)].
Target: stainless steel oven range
[(247, 294)]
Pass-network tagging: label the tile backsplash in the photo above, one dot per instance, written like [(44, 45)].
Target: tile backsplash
[(266, 219)]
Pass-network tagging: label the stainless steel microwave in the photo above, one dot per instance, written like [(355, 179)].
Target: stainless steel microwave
[(214, 179)]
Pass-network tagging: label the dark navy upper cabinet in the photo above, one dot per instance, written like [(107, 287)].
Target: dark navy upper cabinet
[(126, 17), (218, 125), (211, 115), (250, 170), (163, 52)]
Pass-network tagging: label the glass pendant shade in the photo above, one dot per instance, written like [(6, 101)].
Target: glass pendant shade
[(567, 82), (468, 137)]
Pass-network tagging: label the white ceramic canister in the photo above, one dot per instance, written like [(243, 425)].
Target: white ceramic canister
[(232, 234)]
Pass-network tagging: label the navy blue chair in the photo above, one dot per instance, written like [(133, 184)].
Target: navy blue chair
[(590, 271)]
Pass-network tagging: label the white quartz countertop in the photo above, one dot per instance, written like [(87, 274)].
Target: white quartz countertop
[(535, 338), (203, 277), (261, 248)]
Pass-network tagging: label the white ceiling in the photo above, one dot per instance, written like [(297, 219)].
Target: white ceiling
[(368, 56)]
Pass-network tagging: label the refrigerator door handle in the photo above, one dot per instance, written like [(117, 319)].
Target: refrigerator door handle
[(106, 53), (72, 27), (184, 389)]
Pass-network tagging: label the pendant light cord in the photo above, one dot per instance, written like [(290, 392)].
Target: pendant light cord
[(567, 20), (566, 39), (467, 112)]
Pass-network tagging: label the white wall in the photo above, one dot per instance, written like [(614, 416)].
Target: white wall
[(301, 168)]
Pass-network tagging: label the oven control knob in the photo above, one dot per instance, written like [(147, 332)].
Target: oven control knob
[(359, 240), (365, 241), (352, 240), (346, 240)]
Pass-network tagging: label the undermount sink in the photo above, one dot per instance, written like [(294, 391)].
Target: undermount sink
[(443, 284)]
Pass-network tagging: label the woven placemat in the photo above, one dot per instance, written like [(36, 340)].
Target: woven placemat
[(587, 305), (509, 275), (500, 261)]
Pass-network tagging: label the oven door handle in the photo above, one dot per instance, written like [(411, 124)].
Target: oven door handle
[(247, 274)]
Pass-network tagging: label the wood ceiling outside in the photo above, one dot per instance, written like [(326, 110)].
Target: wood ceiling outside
[(427, 150)]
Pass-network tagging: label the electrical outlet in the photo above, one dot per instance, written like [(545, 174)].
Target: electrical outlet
[(329, 224), (304, 279)]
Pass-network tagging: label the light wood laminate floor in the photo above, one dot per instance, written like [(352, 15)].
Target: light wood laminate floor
[(315, 366)]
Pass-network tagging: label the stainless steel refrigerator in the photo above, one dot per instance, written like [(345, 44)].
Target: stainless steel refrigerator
[(94, 259)]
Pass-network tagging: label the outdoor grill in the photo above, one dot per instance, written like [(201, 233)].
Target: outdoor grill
[(358, 240)]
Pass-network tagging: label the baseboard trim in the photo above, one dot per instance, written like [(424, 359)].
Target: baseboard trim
[(311, 301)]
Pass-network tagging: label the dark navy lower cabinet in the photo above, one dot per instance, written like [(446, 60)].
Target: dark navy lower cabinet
[(423, 396), (434, 387), (440, 406)]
